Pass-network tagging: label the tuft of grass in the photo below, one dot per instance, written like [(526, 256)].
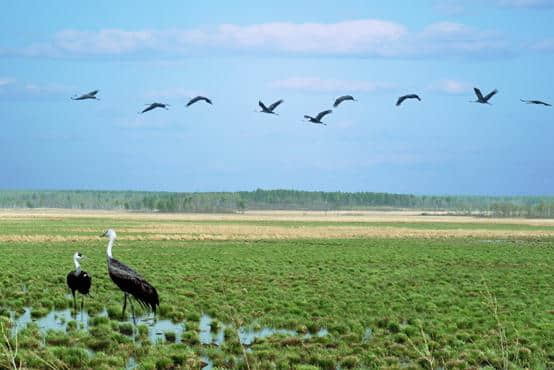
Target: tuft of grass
[(170, 336)]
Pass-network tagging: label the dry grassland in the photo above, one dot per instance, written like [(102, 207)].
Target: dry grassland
[(330, 216), (333, 225)]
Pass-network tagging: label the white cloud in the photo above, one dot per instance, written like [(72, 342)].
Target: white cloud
[(456, 39), (364, 38), (357, 36), (450, 87), (317, 84)]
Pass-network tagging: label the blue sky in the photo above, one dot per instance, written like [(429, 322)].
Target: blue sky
[(307, 53)]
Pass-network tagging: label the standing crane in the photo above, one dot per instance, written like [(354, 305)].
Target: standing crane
[(78, 280), (129, 281), (271, 108), (483, 99), (317, 119), (90, 95), (340, 99), (409, 96), (198, 98), (154, 106)]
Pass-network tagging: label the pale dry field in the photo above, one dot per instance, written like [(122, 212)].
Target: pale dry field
[(325, 216), (326, 225)]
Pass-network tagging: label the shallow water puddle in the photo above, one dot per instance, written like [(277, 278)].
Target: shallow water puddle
[(159, 330), (209, 363), (55, 320), (206, 335), (248, 336), (367, 334), (58, 320)]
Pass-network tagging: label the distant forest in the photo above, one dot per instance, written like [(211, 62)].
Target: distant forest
[(528, 206)]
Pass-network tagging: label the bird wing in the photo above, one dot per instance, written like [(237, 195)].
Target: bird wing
[(85, 282), (535, 102), (490, 95), (400, 100), (207, 100), (322, 114), (340, 99), (79, 282), (478, 93), (130, 281), (193, 100), (72, 280), (93, 93), (150, 107), (415, 96), (308, 117), (275, 105), (262, 105)]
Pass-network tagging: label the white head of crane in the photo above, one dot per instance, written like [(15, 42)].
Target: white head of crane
[(111, 235)]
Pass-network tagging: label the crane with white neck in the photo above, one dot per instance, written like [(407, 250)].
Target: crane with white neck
[(130, 282), (78, 280)]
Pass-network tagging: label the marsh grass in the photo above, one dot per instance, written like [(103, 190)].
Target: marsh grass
[(9, 346), (432, 301)]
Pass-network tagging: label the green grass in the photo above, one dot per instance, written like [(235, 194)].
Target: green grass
[(429, 303)]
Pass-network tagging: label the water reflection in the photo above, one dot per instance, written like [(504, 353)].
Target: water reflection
[(160, 331)]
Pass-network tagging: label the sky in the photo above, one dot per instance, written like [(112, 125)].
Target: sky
[(305, 52)]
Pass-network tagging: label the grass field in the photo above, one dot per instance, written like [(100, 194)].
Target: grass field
[(352, 290)]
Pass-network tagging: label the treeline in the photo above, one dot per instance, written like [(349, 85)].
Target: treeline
[(276, 200)]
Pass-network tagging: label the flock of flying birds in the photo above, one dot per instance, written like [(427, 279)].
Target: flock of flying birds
[(317, 119)]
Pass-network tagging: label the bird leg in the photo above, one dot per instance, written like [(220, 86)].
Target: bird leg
[(124, 305), (133, 311), (82, 302), (74, 302)]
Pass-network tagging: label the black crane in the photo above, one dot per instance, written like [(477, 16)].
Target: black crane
[(409, 96), (340, 99), (538, 102), (483, 99), (198, 98), (129, 281), (154, 106), (317, 119), (271, 108), (90, 95), (78, 280)]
